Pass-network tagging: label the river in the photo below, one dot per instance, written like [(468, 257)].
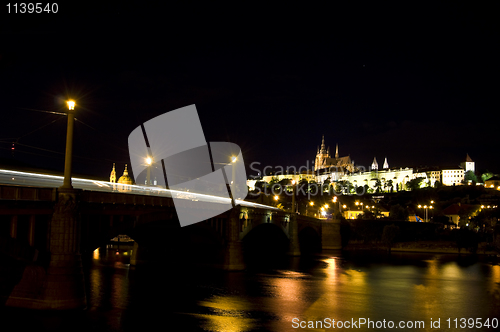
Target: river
[(282, 295)]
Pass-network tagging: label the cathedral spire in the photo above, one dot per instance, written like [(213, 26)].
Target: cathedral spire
[(322, 150), (337, 150), (374, 164), (112, 177), (386, 164)]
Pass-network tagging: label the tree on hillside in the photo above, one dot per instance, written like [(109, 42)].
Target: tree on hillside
[(261, 185), (469, 176), (389, 185), (378, 186), (465, 213), (398, 212), (414, 184), (274, 180), (487, 175), (367, 215)]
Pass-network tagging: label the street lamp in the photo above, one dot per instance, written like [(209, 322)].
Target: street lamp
[(233, 160), (149, 162), (69, 146), (426, 208), (293, 196)]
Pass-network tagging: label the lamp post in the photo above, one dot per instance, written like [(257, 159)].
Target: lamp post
[(335, 200), (293, 196), (69, 146), (426, 208), (149, 162), (311, 204)]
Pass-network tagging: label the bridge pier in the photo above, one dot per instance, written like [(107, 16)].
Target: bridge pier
[(233, 253), (13, 227), (293, 233), (330, 235), (60, 285), (135, 258)]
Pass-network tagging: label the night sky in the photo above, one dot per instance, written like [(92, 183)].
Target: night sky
[(416, 84)]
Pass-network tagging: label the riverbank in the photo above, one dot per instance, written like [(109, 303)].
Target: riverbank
[(444, 247)]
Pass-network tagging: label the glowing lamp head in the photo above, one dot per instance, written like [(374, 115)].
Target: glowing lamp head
[(293, 182), (149, 161), (335, 199), (71, 105), (311, 203), (233, 159), (326, 206), (276, 198)]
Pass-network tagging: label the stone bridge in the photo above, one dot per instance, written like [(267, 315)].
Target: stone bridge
[(44, 231)]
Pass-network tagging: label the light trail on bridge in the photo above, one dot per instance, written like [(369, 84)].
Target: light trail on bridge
[(18, 178)]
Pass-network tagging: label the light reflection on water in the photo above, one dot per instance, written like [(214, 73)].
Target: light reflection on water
[(400, 287)]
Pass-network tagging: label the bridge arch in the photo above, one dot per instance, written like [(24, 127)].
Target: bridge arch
[(265, 241), (309, 240)]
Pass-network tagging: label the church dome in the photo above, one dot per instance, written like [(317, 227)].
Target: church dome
[(125, 178)]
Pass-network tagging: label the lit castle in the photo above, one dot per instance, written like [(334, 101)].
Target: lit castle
[(342, 169)]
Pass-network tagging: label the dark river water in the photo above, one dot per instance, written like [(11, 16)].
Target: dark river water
[(282, 295)]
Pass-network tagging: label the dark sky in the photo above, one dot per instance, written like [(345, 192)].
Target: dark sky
[(416, 84)]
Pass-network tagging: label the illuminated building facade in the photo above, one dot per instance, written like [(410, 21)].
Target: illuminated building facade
[(124, 181), (394, 179), (452, 176)]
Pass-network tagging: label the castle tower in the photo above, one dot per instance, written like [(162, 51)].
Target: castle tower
[(112, 177), (321, 156), (468, 164), (374, 164), (386, 164), (337, 151)]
